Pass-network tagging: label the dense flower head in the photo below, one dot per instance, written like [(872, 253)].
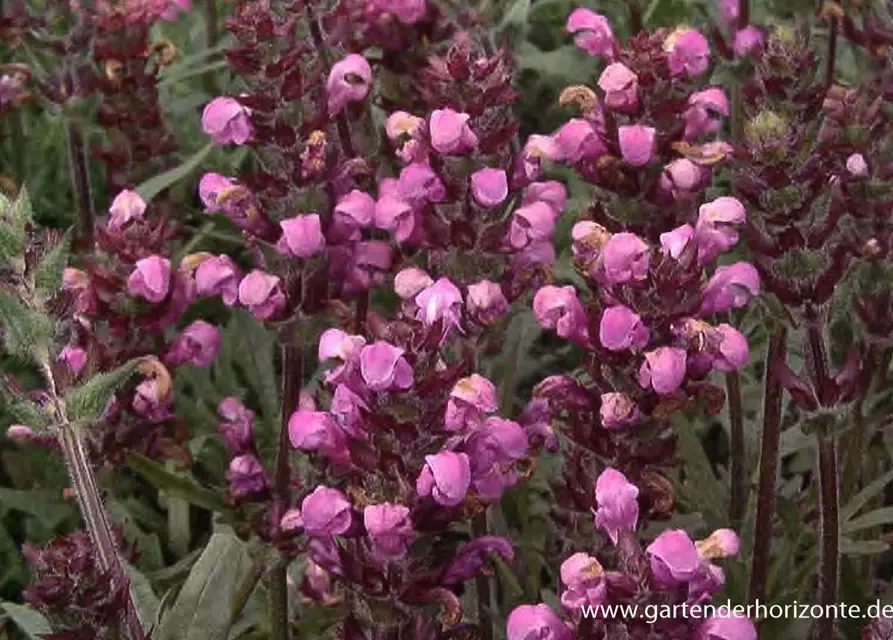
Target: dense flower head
[(226, 120), (349, 81)]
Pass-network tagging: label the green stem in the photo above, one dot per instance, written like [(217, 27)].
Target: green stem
[(279, 626)]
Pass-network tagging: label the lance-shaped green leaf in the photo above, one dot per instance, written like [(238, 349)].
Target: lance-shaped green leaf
[(49, 272), (26, 333), (20, 211), (175, 484), (30, 622), (153, 186), (87, 402)]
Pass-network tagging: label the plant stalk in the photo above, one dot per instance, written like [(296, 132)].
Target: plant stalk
[(482, 584), (82, 193), (211, 38), (738, 454), (772, 401), (832, 52), (829, 502)]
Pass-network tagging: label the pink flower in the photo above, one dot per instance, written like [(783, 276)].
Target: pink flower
[(226, 120), (705, 111), (748, 40), (531, 224), (389, 529), (722, 543), (441, 301), (338, 344), (450, 132), (592, 33), (492, 450), (446, 477), (673, 558), (325, 512), (349, 81), (636, 144), (419, 184), (409, 282), (354, 211), (151, 279), (470, 399), (625, 257), (485, 302), (674, 242), (310, 430), (383, 367), (621, 329), (536, 622), (680, 177), (663, 370), (558, 309), (218, 276), (74, 357), (715, 229), (551, 192), (236, 425), (489, 187), (396, 215), (262, 293), (246, 476), (197, 344), (621, 87), (726, 625), (688, 52), (210, 186), (582, 577), (20, 433), (728, 12), (301, 236), (857, 166), (175, 8), (577, 140), (730, 287), (618, 506), (732, 352), (408, 11), (618, 411), (127, 206)]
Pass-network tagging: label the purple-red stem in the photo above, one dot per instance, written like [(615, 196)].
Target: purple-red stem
[(829, 572), (482, 584), (772, 398), (211, 39), (738, 454)]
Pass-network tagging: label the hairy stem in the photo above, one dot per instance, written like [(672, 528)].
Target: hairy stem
[(832, 52), (772, 399), (829, 568), (482, 584), (82, 193), (738, 455), (71, 442), (279, 626)]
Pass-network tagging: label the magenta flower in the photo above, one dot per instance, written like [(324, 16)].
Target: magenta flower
[(551, 192), (366, 264), (301, 236), (197, 344), (409, 282), (485, 302), (218, 276), (408, 11), (246, 476), (226, 120), (349, 81), (536, 622), (621, 329), (441, 301), (384, 368), (446, 477), (489, 187), (577, 140), (728, 12), (127, 206), (418, 184), (636, 143), (310, 430), (23, 434), (663, 370), (704, 113), (726, 625), (151, 279), (531, 224), (618, 411), (492, 450), (335, 343), (528, 164), (262, 293), (674, 242), (673, 558), (470, 399), (625, 257), (688, 52), (680, 177), (326, 512), (592, 33), (559, 309), (748, 40), (857, 166), (450, 132), (582, 578), (355, 210), (618, 506), (389, 529), (236, 425), (731, 286), (732, 352), (74, 357), (621, 87), (394, 214), (715, 229), (210, 187)]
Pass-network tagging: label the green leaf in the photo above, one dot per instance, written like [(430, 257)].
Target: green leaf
[(516, 16), (24, 412), (144, 599), (31, 622), (175, 484), (251, 347), (20, 211), (87, 402), (186, 73), (153, 186), (862, 547), (701, 486), (12, 241), (47, 505), (26, 333), (201, 611), (318, 619), (860, 499), (49, 273), (875, 518)]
